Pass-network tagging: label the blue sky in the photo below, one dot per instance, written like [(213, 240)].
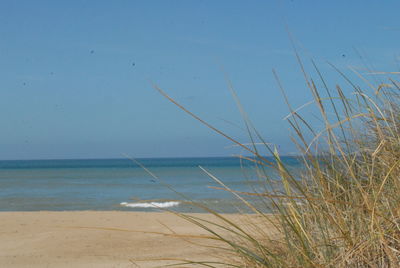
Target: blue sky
[(76, 76)]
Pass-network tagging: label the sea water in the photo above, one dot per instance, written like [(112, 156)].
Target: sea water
[(123, 184)]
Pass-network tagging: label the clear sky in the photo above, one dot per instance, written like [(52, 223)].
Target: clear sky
[(76, 75)]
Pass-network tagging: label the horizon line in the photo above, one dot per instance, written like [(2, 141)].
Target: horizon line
[(127, 158)]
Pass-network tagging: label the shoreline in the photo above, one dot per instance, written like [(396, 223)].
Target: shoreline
[(98, 238)]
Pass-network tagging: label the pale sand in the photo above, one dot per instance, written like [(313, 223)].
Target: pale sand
[(70, 239)]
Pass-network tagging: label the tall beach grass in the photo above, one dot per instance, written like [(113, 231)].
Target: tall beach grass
[(343, 209)]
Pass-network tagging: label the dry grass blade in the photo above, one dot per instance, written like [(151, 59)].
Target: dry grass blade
[(341, 209)]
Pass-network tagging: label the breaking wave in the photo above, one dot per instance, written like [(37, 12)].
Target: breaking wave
[(151, 204)]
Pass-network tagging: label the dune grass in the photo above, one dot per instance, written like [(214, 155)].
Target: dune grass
[(343, 208)]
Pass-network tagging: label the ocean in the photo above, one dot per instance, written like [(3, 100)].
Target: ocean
[(121, 184)]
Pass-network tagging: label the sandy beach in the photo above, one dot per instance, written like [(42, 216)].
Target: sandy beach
[(95, 239)]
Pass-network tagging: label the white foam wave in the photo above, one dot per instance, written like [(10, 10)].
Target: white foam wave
[(151, 204)]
